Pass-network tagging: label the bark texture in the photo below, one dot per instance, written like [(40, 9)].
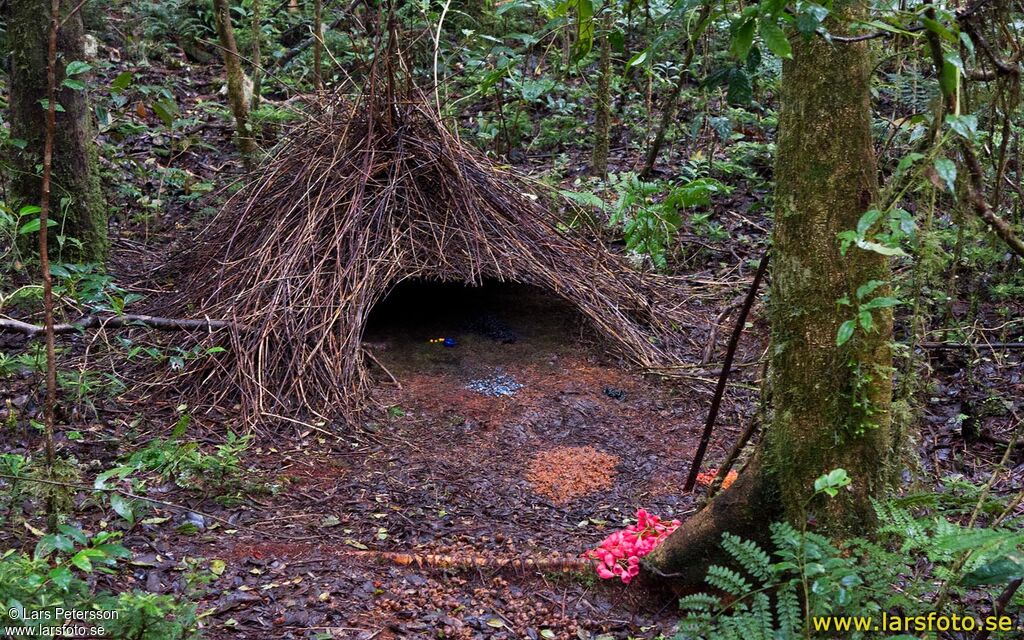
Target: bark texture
[(830, 405), (79, 208)]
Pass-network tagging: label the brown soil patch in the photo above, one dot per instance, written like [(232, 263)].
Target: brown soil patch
[(565, 473)]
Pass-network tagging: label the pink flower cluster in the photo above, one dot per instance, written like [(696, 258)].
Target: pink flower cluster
[(619, 555)]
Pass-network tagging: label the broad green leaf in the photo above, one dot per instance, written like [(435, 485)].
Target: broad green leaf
[(998, 571), (880, 249), (869, 218), (743, 38), (76, 67), (740, 92), (61, 576), (73, 533), (33, 225), (82, 561), (121, 82), (845, 332), (908, 160), (866, 321), (122, 507), (940, 29), (947, 172), (776, 40), (965, 126), (881, 302)]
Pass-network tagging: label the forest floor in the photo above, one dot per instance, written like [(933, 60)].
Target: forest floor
[(523, 440)]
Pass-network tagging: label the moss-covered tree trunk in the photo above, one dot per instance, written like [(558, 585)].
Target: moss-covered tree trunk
[(830, 404), (236, 82), (79, 208)]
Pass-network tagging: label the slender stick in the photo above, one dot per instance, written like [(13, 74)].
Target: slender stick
[(723, 377), (318, 44), (49, 406), (89, 322), (1000, 606)]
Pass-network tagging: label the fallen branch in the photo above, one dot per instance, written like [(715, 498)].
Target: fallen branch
[(9, 325), (953, 346), (975, 188), (467, 562)]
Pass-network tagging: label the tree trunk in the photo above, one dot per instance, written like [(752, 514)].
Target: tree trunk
[(318, 45), (257, 55), (79, 208), (602, 119), (236, 82), (671, 106), (830, 404)]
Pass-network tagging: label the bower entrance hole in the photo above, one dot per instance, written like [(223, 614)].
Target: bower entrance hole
[(494, 325)]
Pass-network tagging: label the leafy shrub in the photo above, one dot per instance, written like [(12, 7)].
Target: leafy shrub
[(59, 574)]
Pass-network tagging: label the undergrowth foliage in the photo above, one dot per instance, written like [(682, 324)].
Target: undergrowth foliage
[(921, 550)]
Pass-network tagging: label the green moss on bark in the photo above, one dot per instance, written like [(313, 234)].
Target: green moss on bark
[(826, 179), (830, 405), (79, 206)]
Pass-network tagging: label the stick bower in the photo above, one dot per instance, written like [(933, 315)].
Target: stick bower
[(366, 194)]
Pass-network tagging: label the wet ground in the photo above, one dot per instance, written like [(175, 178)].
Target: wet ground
[(564, 452)]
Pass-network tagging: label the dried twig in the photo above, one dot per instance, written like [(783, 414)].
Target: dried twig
[(110, 322), (373, 191), (723, 377)]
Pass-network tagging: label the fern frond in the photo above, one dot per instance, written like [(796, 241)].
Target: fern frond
[(727, 580), (699, 602), (750, 556)]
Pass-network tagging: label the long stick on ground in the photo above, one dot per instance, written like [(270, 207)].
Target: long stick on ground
[(110, 322), (723, 377)]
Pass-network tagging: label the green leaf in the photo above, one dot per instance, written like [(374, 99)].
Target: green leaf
[(998, 571), (880, 249), (908, 160), (869, 218), (638, 59), (82, 561), (166, 110), (121, 82), (965, 126), (122, 507), (76, 67), (809, 17), (740, 91), (61, 576), (33, 225), (775, 38), (866, 321), (584, 29), (45, 104), (881, 302), (947, 172), (845, 332), (952, 69), (73, 533), (939, 29), (743, 38), (71, 83), (29, 210)]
